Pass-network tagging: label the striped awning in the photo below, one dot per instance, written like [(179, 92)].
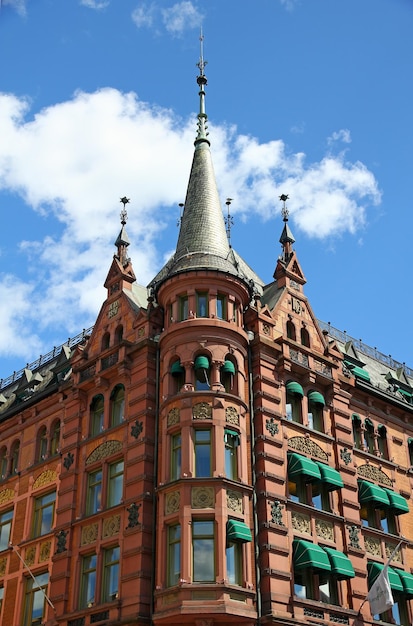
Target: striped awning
[(300, 466), (374, 570), (238, 531), (407, 582), (307, 554), (369, 493), (398, 504), (341, 566), (330, 477)]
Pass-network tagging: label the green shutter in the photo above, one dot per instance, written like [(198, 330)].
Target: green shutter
[(307, 554), (295, 388), (398, 504), (238, 532), (341, 566), (316, 397), (301, 467), (330, 477), (369, 493), (374, 569)]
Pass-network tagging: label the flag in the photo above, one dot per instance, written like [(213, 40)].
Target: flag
[(380, 596)]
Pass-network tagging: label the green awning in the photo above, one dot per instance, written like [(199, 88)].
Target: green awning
[(406, 394), (374, 569), (398, 504), (409, 441), (330, 477), (316, 397), (407, 582), (356, 418), (307, 554), (238, 531), (301, 467), (201, 362), (341, 566), (293, 387), (177, 369), (368, 422), (369, 493), (359, 372), (228, 367)]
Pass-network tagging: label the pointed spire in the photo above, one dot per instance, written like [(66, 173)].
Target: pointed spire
[(122, 241), (202, 82), (287, 238)]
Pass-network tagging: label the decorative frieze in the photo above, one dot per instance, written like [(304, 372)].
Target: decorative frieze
[(301, 522), (371, 472), (173, 417), (202, 411), (3, 566), (6, 495), (172, 502), (202, 498), (89, 534), (232, 416), (44, 553), (324, 529), (389, 548), (372, 545), (104, 450), (45, 478), (30, 555), (111, 526), (306, 445), (234, 501), (299, 357)]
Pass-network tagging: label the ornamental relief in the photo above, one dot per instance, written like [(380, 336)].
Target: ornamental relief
[(372, 546), (324, 529), (45, 478), (388, 549), (301, 523), (202, 498), (89, 534), (374, 473), (104, 450), (30, 555), (44, 553), (173, 417), (231, 416), (111, 526), (303, 444), (6, 495), (202, 411), (3, 565), (234, 501), (172, 502)]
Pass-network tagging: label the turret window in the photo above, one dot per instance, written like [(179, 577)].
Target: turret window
[(202, 373), (227, 375), (232, 441), (203, 550), (221, 307), (183, 308), (201, 304), (178, 376), (202, 453), (174, 555), (176, 453)]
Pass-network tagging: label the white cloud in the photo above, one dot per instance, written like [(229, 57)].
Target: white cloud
[(115, 144), (343, 135), (18, 5), (95, 4), (180, 17), (144, 15)]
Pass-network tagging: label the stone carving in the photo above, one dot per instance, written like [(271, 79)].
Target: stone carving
[(68, 460), (231, 415), (173, 418), (303, 444), (45, 478), (266, 329), (136, 429), (299, 357), (111, 526), (301, 523), (372, 545), (104, 450), (234, 501), (276, 513), (345, 456), (172, 502), (272, 426), (389, 548), (372, 472), (30, 555), (3, 565), (353, 533), (6, 495), (202, 498), (324, 529), (89, 534), (133, 515), (45, 549), (202, 411), (61, 541)]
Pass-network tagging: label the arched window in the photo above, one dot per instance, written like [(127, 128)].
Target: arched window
[(178, 376), (41, 444), (3, 463), (55, 438), (291, 330), (316, 404), (202, 373), (96, 415), (369, 435), (227, 375), (119, 334), (356, 423), (117, 405), (105, 341), (14, 457), (305, 337), (293, 401), (382, 441)]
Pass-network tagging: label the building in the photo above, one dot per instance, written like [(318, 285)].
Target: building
[(208, 454)]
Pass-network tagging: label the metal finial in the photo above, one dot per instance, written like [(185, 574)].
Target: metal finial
[(123, 213), (229, 222), (201, 63), (284, 211), (179, 220)]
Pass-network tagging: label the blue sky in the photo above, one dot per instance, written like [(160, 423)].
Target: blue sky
[(98, 99)]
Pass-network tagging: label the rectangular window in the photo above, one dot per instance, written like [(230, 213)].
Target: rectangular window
[(234, 563), (316, 494), (203, 551), (231, 456), (382, 519), (43, 519), (315, 416), (5, 529), (293, 408), (115, 483), (110, 587), (1, 598), (221, 307), (94, 492), (201, 304), (202, 453), (174, 555), (35, 600), (176, 456), (183, 308), (88, 581), (311, 586)]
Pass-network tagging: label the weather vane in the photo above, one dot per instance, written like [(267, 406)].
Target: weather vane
[(284, 210), (229, 222), (201, 63), (124, 213)]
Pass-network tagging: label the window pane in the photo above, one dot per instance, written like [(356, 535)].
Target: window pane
[(118, 406), (231, 460), (202, 304), (221, 307), (35, 601), (5, 528), (202, 453), (115, 488), (203, 551), (43, 514), (97, 409), (174, 555), (94, 494), (88, 581), (176, 457), (111, 574), (234, 563)]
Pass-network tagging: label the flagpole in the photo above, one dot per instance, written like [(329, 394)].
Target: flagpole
[(32, 575)]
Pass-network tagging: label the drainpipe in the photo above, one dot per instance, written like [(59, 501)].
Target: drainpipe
[(155, 467), (254, 482)]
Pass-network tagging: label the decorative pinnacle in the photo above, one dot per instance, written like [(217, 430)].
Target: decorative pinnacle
[(202, 82), (284, 211), (201, 63), (229, 221), (179, 220), (123, 213)]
